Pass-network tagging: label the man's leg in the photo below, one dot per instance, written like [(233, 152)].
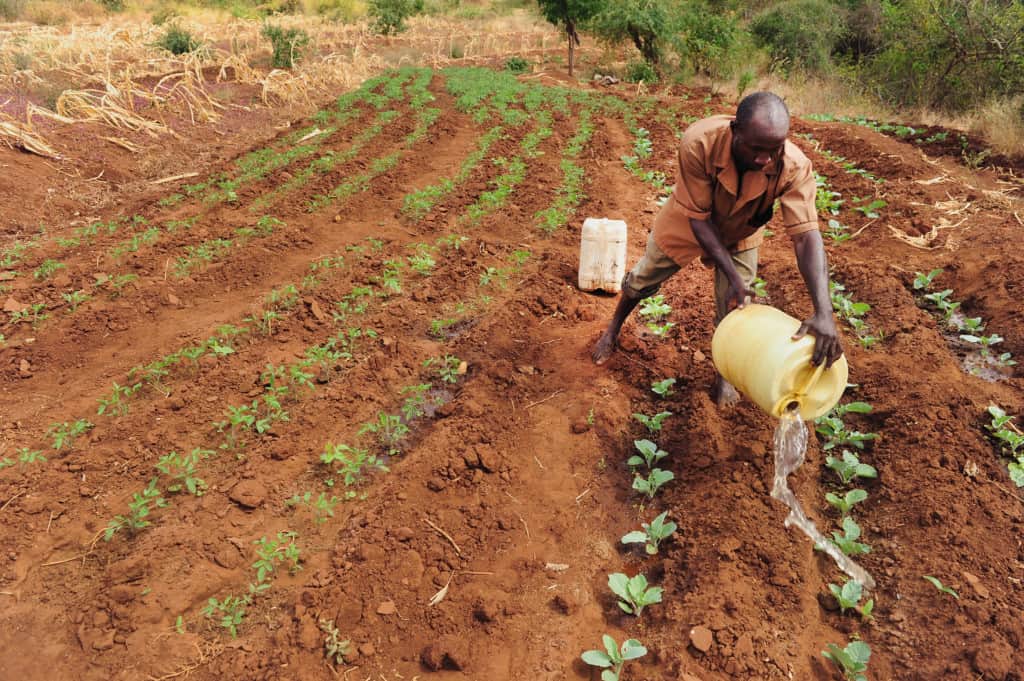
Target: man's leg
[(723, 392), (644, 280)]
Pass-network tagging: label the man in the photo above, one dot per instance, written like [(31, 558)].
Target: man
[(731, 171)]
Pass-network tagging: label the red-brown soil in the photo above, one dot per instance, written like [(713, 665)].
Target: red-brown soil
[(514, 492)]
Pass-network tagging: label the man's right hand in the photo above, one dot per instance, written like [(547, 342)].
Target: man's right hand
[(738, 294)]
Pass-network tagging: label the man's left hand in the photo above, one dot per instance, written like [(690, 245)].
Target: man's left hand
[(826, 339)]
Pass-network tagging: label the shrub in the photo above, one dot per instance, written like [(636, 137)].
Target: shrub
[(288, 44), (177, 40), (640, 70), (113, 5), (390, 15), (517, 65), (793, 41), (11, 9), (708, 41), (648, 24)]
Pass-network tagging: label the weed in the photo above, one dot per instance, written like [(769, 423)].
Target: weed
[(634, 592), (851, 660), (652, 534), (334, 649), (613, 658), (663, 388), (64, 434), (653, 423), (141, 505), (655, 479), (934, 581), (850, 468)]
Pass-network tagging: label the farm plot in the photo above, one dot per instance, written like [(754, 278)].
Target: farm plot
[(329, 412)]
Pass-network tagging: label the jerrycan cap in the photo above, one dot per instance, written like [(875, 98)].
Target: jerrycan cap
[(794, 400)]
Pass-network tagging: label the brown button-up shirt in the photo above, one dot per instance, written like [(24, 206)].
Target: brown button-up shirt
[(708, 188)]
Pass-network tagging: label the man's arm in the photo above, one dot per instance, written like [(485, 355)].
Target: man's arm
[(813, 264), (709, 240)]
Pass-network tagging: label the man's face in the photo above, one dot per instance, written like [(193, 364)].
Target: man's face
[(757, 145)]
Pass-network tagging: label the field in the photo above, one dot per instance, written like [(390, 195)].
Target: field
[(337, 387)]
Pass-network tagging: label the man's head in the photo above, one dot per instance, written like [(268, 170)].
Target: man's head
[(759, 131)]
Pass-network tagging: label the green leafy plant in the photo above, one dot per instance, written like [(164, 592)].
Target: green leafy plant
[(271, 553), (653, 423), (870, 210), (117, 403), (834, 431), (934, 581), (389, 430), (655, 307), (849, 467), (231, 611), (922, 282), (654, 481), (846, 502), (517, 65), (350, 461), (64, 434), (26, 457), (334, 648), (852, 660), (322, 506), (613, 658), (390, 15), (47, 268), (74, 299), (634, 592), (663, 388), (141, 505), (182, 469), (649, 454), (847, 539), (287, 43), (848, 597), (652, 534)]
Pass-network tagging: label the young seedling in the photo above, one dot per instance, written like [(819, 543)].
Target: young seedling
[(613, 658), (847, 539), (634, 592), (759, 287), (141, 505), (334, 649), (449, 369), (1002, 428), (653, 423), (940, 586), (655, 479), (414, 405), (182, 469), (844, 503), (231, 611), (649, 454), (870, 210), (389, 429), (64, 434), (663, 388), (849, 467), (321, 507), (117, 403), (351, 461), (985, 342), (848, 596), (271, 553), (655, 307), (652, 534), (74, 299), (851, 660)]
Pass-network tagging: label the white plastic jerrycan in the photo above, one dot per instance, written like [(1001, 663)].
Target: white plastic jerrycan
[(753, 349), (602, 255)]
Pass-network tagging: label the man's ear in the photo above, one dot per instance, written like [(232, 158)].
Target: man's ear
[(732, 125)]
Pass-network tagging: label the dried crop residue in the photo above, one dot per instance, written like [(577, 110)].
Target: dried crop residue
[(483, 551)]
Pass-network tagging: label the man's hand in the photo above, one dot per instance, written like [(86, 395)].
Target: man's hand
[(826, 339), (738, 294)]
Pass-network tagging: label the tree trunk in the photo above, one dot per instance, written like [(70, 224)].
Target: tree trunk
[(570, 32)]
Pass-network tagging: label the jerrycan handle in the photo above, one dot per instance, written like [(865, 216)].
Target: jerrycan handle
[(793, 400)]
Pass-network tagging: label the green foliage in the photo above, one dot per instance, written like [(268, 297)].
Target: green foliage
[(650, 454), (849, 467), (846, 540), (848, 597), (852, 660), (653, 423), (656, 478), (647, 24), (181, 468), (64, 434), (934, 581), (517, 65), (846, 502), (390, 15), (663, 388), (613, 657), (634, 592), (709, 42), (141, 505), (653, 533), (1010, 440), (178, 40), (792, 41), (639, 71), (287, 43)]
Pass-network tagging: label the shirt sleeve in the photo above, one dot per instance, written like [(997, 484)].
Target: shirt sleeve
[(799, 213), (694, 192)]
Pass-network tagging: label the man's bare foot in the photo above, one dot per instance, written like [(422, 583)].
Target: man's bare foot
[(604, 348), (723, 393)]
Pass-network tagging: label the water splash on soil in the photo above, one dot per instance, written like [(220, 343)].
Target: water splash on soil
[(790, 448)]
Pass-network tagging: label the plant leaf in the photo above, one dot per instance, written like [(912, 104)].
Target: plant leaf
[(596, 658), (632, 649)]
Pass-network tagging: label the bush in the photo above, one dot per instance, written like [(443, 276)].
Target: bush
[(637, 71), (517, 65), (707, 41), (177, 40), (799, 34), (113, 5), (390, 15), (649, 24), (288, 45)]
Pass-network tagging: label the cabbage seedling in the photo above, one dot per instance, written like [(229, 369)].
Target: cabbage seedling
[(844, 503), (613, 658), (649, 452), (847, 540), (655, 307), (934, 581), (660, 330), (653, 423), (634, 592), (849, 467), (851, 660), (652, 534), (653, 482), (848, 596), (923, 281), (663, 388)]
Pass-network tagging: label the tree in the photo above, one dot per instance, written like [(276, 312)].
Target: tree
[(390, 15), (569, 14), (647, 23)]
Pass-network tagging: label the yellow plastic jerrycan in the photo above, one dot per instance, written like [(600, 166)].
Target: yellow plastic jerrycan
[(753, 349)]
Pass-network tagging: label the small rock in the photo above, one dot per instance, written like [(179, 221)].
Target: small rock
[(173, 300), (248, 494), (403, 533), (433, 657), (24, 369), (580, 427), (387, 608), (744, 647), (13, 305), (993, 660), (976, 584), (700, 638), (699, 356), (435, 484), (367, 650), (105, 641)]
